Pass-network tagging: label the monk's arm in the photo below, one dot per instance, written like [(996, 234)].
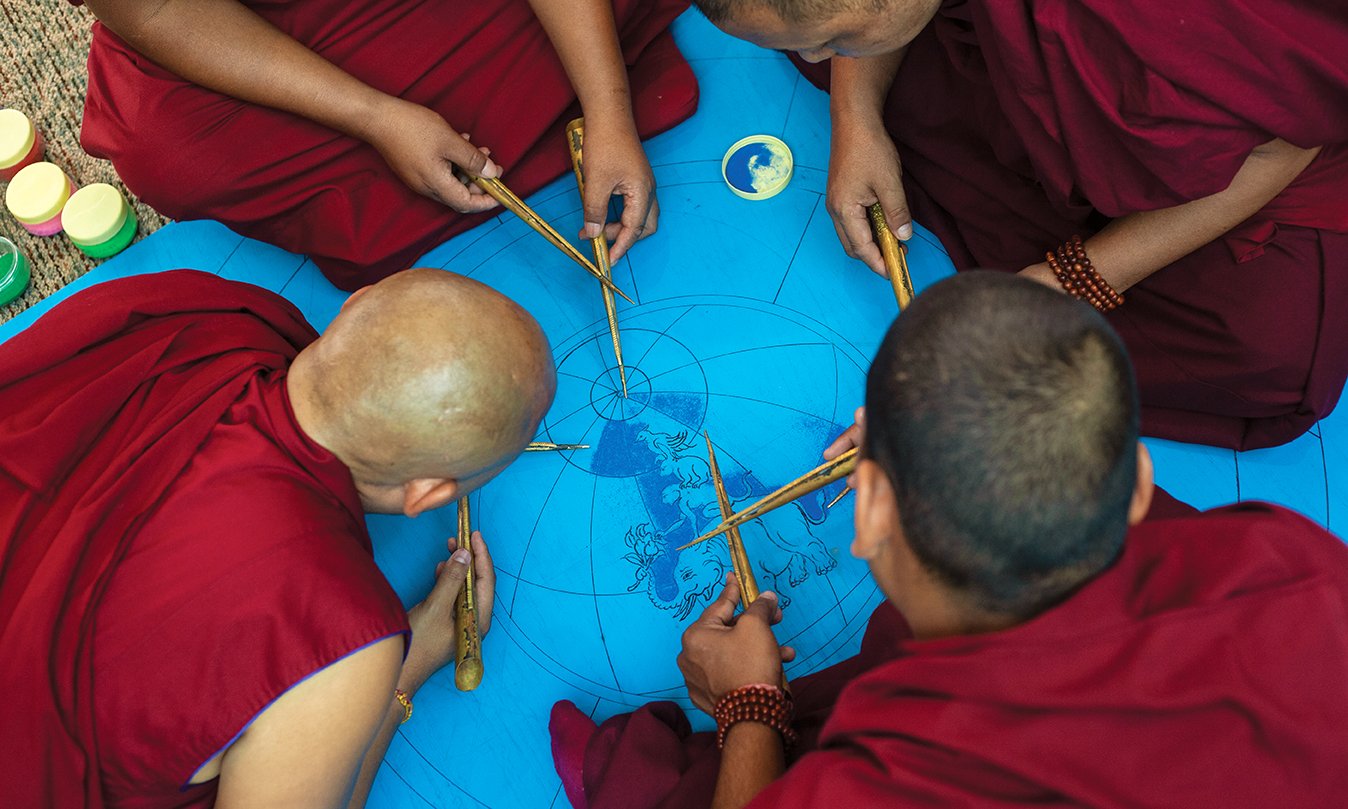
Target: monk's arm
[(224, 46), (863, 161), (434, 639), (305, 749), (751, 759), (1133, 247), (586, 39), (374, 757)]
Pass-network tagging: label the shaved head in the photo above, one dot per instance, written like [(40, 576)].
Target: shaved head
[(821, 29), (426, 375), (1005, 416), (789, 10)]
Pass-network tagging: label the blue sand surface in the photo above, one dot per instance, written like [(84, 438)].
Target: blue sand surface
[(750, 324)]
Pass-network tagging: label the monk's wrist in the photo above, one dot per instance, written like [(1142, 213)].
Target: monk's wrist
[(610, 109)]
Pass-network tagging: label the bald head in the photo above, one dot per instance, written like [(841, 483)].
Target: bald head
[(426, 375), (820, 29)]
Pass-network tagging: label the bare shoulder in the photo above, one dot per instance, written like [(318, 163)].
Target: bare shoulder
[(306, 747)]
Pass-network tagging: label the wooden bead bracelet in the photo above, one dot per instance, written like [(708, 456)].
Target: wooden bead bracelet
[(1073, 269), (765, 704)]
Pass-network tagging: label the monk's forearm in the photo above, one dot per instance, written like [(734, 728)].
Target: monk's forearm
[(409, 682), (374, 757), (752, 758), (586, 39), (1133, 247), (224, 46), (858, 88)]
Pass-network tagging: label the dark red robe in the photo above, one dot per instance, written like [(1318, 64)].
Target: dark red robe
[(1205, 668), (175, 553), (486, 66), (1021, 122)]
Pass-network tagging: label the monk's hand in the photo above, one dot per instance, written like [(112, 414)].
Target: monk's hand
[(849, 438), (1043, 273), (431, 158), (615, 164), (863, 169), (722, 651), (432, 620)]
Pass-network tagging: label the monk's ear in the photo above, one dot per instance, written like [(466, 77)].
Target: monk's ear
[(428, 494), (877, 511), (1143, 488)]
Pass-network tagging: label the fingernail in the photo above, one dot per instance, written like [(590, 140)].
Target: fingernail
[(769, 594), (491, 171), (905, 232), (592, 229), (461, 556)]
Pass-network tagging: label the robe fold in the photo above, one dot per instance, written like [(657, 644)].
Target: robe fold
[(175, 553), (1205, 668), (1022, 122), (487, 67)]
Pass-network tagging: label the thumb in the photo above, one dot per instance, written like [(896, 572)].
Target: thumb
[(595, 206), (896, 213), (764, 609), (449, 580), (472, 160)]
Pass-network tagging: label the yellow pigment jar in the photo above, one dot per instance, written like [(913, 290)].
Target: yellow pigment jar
[(98, 220), (20, 143), (36, 196)]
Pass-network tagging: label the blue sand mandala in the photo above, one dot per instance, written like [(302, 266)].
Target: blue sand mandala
[(771, 388)]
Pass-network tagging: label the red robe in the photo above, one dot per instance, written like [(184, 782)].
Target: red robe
[(486, 66), (174, 552), (1205, 668), (1021, 122)]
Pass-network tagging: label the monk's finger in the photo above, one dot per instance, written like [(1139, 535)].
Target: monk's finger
[(843, 238), (856, 226), (764, 608), (636, 220), (721, 612), (594, 206), (485, 590), (472, 159), (849, 438), (450, 579), (898, 218), (455, 195)]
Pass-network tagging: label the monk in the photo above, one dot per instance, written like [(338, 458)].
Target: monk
[(1200, 149), (341, 129), (190, 615), (1056, 631)]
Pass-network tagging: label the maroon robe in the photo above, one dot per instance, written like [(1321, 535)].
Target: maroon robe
[(1022, 122), (1205, 668), (175, 553), (487, 67)]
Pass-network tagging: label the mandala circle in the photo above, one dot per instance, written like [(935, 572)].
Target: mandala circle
[(600, 596)]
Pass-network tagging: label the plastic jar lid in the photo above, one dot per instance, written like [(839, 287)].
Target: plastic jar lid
[(37, 193), (16, 137), (94, 214), (14, 272), (119, 241), (758, 167)]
